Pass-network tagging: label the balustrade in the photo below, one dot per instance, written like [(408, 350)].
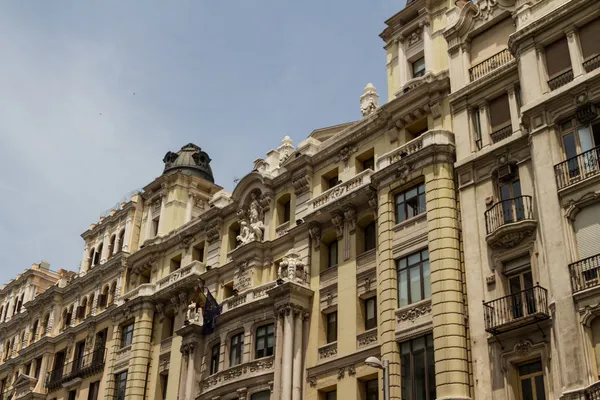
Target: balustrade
[(561, 80), (592, 63), (507, 212), (584, 273), (578, 168), (517, 309), (488, 65)]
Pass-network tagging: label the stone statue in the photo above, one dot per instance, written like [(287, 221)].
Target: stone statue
[(369, 101), (254, 210), (194, 314), (246, 235), (257, 228)]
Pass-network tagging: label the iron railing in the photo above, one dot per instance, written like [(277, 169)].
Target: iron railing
[(561, 80), (592, 63), (88, 364), (490, 64), (592, 392), (507, 212), (501, 134), (7, 395), (516, 310), (578, 168), (584, 273)]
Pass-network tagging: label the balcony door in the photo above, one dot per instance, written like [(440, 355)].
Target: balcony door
[(512, 203), (78, 358), (521, 291), (99, 345), (531, 381), (580, 141)]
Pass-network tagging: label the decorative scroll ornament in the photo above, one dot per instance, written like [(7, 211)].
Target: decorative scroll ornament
[(338, 221), (314, 231), (523, 347), (414, 313), (486, 8), (293, 269), (369, 101), (350, 217)]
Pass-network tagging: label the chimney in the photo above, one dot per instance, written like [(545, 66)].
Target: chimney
[(45, 265)]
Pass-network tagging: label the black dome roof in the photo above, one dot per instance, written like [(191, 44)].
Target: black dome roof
[(190, 160)]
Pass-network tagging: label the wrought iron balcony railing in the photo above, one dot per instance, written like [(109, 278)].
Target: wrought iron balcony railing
[(561, 80), (584, 273), (490, 64), (88, 364), (508, 212), (592, 63), (516, 310), (578, 168), (501, 134)]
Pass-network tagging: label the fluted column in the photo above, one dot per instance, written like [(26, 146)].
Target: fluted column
[(189, 381), (297, 366), (126, 235), (278, 356), (189, 207), (288, 348)]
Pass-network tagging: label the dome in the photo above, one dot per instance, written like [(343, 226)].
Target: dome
[(190, 160)]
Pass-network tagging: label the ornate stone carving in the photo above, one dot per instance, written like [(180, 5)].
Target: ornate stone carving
[(328, 351), (345, 153), (351, 370), (301, 183), (241, 278), (414, 312), (240, 371), (373, 201), (415, 37), (285, 150), (350, 217), (254, 229), (403, 172), (213, 231), (367, 338), (312, 380), (341, 373), (293, 269), (337, 219), (511, 239), (242, 393), (523, 347), (369, 101), (485, 8), (314, 230)]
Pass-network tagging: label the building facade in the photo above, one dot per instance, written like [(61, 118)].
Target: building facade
[(453, 232)]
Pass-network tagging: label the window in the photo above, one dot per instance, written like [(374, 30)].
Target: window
[(73, 394), (198, 252), (368, 163), (331, 327), (410, 203), (332, 395), (558, 60), (330, 179), (57, 367), (371, 390), (418, 67), (155, 222), (587, 232), (332, 254), (286, 211), (264, 341), (38, 367), (120, 385), (34, 331), (370, 236), (215, 355), (370, 313), (111, 245), (127, 335), (531, 381), (236, 350), (120, 242), (413, 278), (98, 254), (175, 263), (27, 369), (93, 391), (164, 382), (168, 328), (264, 395), (499, 114), (580, 140), (417, 369)]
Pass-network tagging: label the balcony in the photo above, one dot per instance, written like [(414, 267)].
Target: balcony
[(87, 365), (241, 372), (516, 310), (341, 190), (491, 64), (592, 63), (578, 168), (510, 221), (426, 139), (584, 273), (561, 80), (501, 134), (247, 296)]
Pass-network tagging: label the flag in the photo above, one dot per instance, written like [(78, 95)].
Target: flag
[(211, 311)]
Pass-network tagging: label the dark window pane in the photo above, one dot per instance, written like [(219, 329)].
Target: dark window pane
[(540, 391), (530, 368), (403, 288), (406, 375), (331, 395), (415, 284), (526, 389), (419, 375), (331, 327)]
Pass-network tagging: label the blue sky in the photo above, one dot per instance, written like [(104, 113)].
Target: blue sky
[(234, 77)]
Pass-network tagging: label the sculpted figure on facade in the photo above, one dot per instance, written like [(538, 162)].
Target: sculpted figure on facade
[(293, 269), (194, 314), (255, 230)]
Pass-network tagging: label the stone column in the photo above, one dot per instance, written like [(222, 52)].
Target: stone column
[(514, 110), (387, 290), (466, 59), (40, 385), (85, 261), (402, 69), (140, 353), (105, 248), (288, 348), (297, 366), (447, 297), (127, 234), (278, 356), (117, 243), (531, 60), (148, 233), (189, 382), (189, 207), (484, 122), (163, 217), (575, 53), (427, 46)]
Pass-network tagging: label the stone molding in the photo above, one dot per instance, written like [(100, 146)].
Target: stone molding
[(328, 351), (244, 371), (367, 338)]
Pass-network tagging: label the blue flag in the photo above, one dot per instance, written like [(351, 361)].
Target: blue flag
[(212, 310)]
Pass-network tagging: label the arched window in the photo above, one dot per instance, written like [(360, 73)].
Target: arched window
[(120, 241), (91, 255), (98, 254), (111, 245), (81, 309), (103, 298)]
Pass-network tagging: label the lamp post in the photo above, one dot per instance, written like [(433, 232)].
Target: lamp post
[(385, 366)]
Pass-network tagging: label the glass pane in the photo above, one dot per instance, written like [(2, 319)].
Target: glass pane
[(403, 289), (400, 214), (426, 280), (412, 207), (406, 376), (530, 368), (419, 376), (402, 263), (415, 284), (516, 186), (405, 348), (540, 391), (414, 259), (422, 188), (526, 390), (422, 203), (370, 308), (412, 193), (585, 139), (515, 284), (505, 192), (418, 344), (527, 280), (570, 145)]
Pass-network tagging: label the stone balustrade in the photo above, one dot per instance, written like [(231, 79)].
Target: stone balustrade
[(247, 296), (239, 372), (343, 189), (429, 138), (196, 267), (146, 289)]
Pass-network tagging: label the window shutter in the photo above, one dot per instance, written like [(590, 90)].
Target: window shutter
[(588, 37), (102, 300), (557, 57), (587, 231), (499, 112)]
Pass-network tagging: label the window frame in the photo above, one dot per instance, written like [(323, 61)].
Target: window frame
[(331, 262), (121, 385), (408, 267), (263, 339), (401, 201), (236, 349), (370, 236), (427, 353), (331, 327), (127, 334), (370, 323), (417, 73), (215, 359)]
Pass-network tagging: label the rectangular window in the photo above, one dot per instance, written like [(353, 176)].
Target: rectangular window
[(175, 263), (38, 367), (333, 181), (120, 385), (27, 369), (369, 163), (531, 381), (370, 236), (93, 391), (418, 67), (332, 327), (164, 382), (414, 282), (588, 37), (198, 252), (370, 313), (371, 390), (558, 60), (264, 395), (499, 112), (236, 350), (332, 254), (418, 369), (477, 128), (286, 211), (215, 355), (73, 394), (410, 203), (332, 395), (126, 335), (264, 341)]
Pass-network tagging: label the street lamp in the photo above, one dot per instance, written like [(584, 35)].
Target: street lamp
[(385, 366)]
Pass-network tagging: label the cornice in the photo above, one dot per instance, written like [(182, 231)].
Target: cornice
[(46, 274), (334, 364), (110, 221)]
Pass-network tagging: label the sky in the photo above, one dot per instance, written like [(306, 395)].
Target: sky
[(93, 94)]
